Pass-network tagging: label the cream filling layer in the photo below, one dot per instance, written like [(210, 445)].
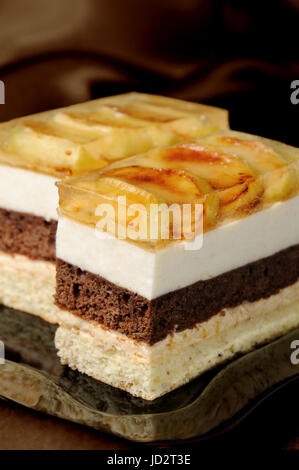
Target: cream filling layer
[(152, 274), (29, 192), (151, 371)]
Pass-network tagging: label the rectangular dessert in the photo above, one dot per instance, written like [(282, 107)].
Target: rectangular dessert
[(148, 314), (35, 151)]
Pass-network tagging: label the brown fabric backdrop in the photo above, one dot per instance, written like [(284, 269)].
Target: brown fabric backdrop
[(241, 55)]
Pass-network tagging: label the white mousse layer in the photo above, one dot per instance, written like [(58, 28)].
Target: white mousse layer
[(29, 192), (152, 274)]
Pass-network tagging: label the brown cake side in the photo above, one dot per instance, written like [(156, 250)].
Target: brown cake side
[(28, 235), (94, 298)]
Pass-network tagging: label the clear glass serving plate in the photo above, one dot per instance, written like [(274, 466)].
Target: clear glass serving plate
[(32, 376)]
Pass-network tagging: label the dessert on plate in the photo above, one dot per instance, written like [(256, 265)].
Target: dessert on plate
[(35, 151), (147, 313)]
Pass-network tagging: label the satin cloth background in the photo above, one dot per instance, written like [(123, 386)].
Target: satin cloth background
[(240, 55)]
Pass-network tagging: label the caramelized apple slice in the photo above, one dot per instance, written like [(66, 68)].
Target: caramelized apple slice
[(237, 185), (168, 185), (142, 186), (110, 187), (242, 197), (259, 156), (174, 112), (264, 160), (64, 148), (45, 146), (191, 127), (171, 186), (151, 112), (279, 184), (124, 142), (177, 107), (101, 121), (211, 207), (219, 169)]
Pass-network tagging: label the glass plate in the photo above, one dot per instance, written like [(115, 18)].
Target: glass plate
[(33, 377)]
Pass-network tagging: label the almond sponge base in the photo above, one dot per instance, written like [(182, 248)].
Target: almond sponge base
[(152, 371), (28, 285)]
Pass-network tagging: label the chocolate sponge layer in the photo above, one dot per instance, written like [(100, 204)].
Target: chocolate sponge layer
[(94, 298), (28, 235)]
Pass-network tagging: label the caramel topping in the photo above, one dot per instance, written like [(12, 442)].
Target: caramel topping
[(174, 185), (91, 135), (230, 173)]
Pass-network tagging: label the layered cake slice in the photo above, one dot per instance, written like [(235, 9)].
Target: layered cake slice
[(37, 150), (171, 262)]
